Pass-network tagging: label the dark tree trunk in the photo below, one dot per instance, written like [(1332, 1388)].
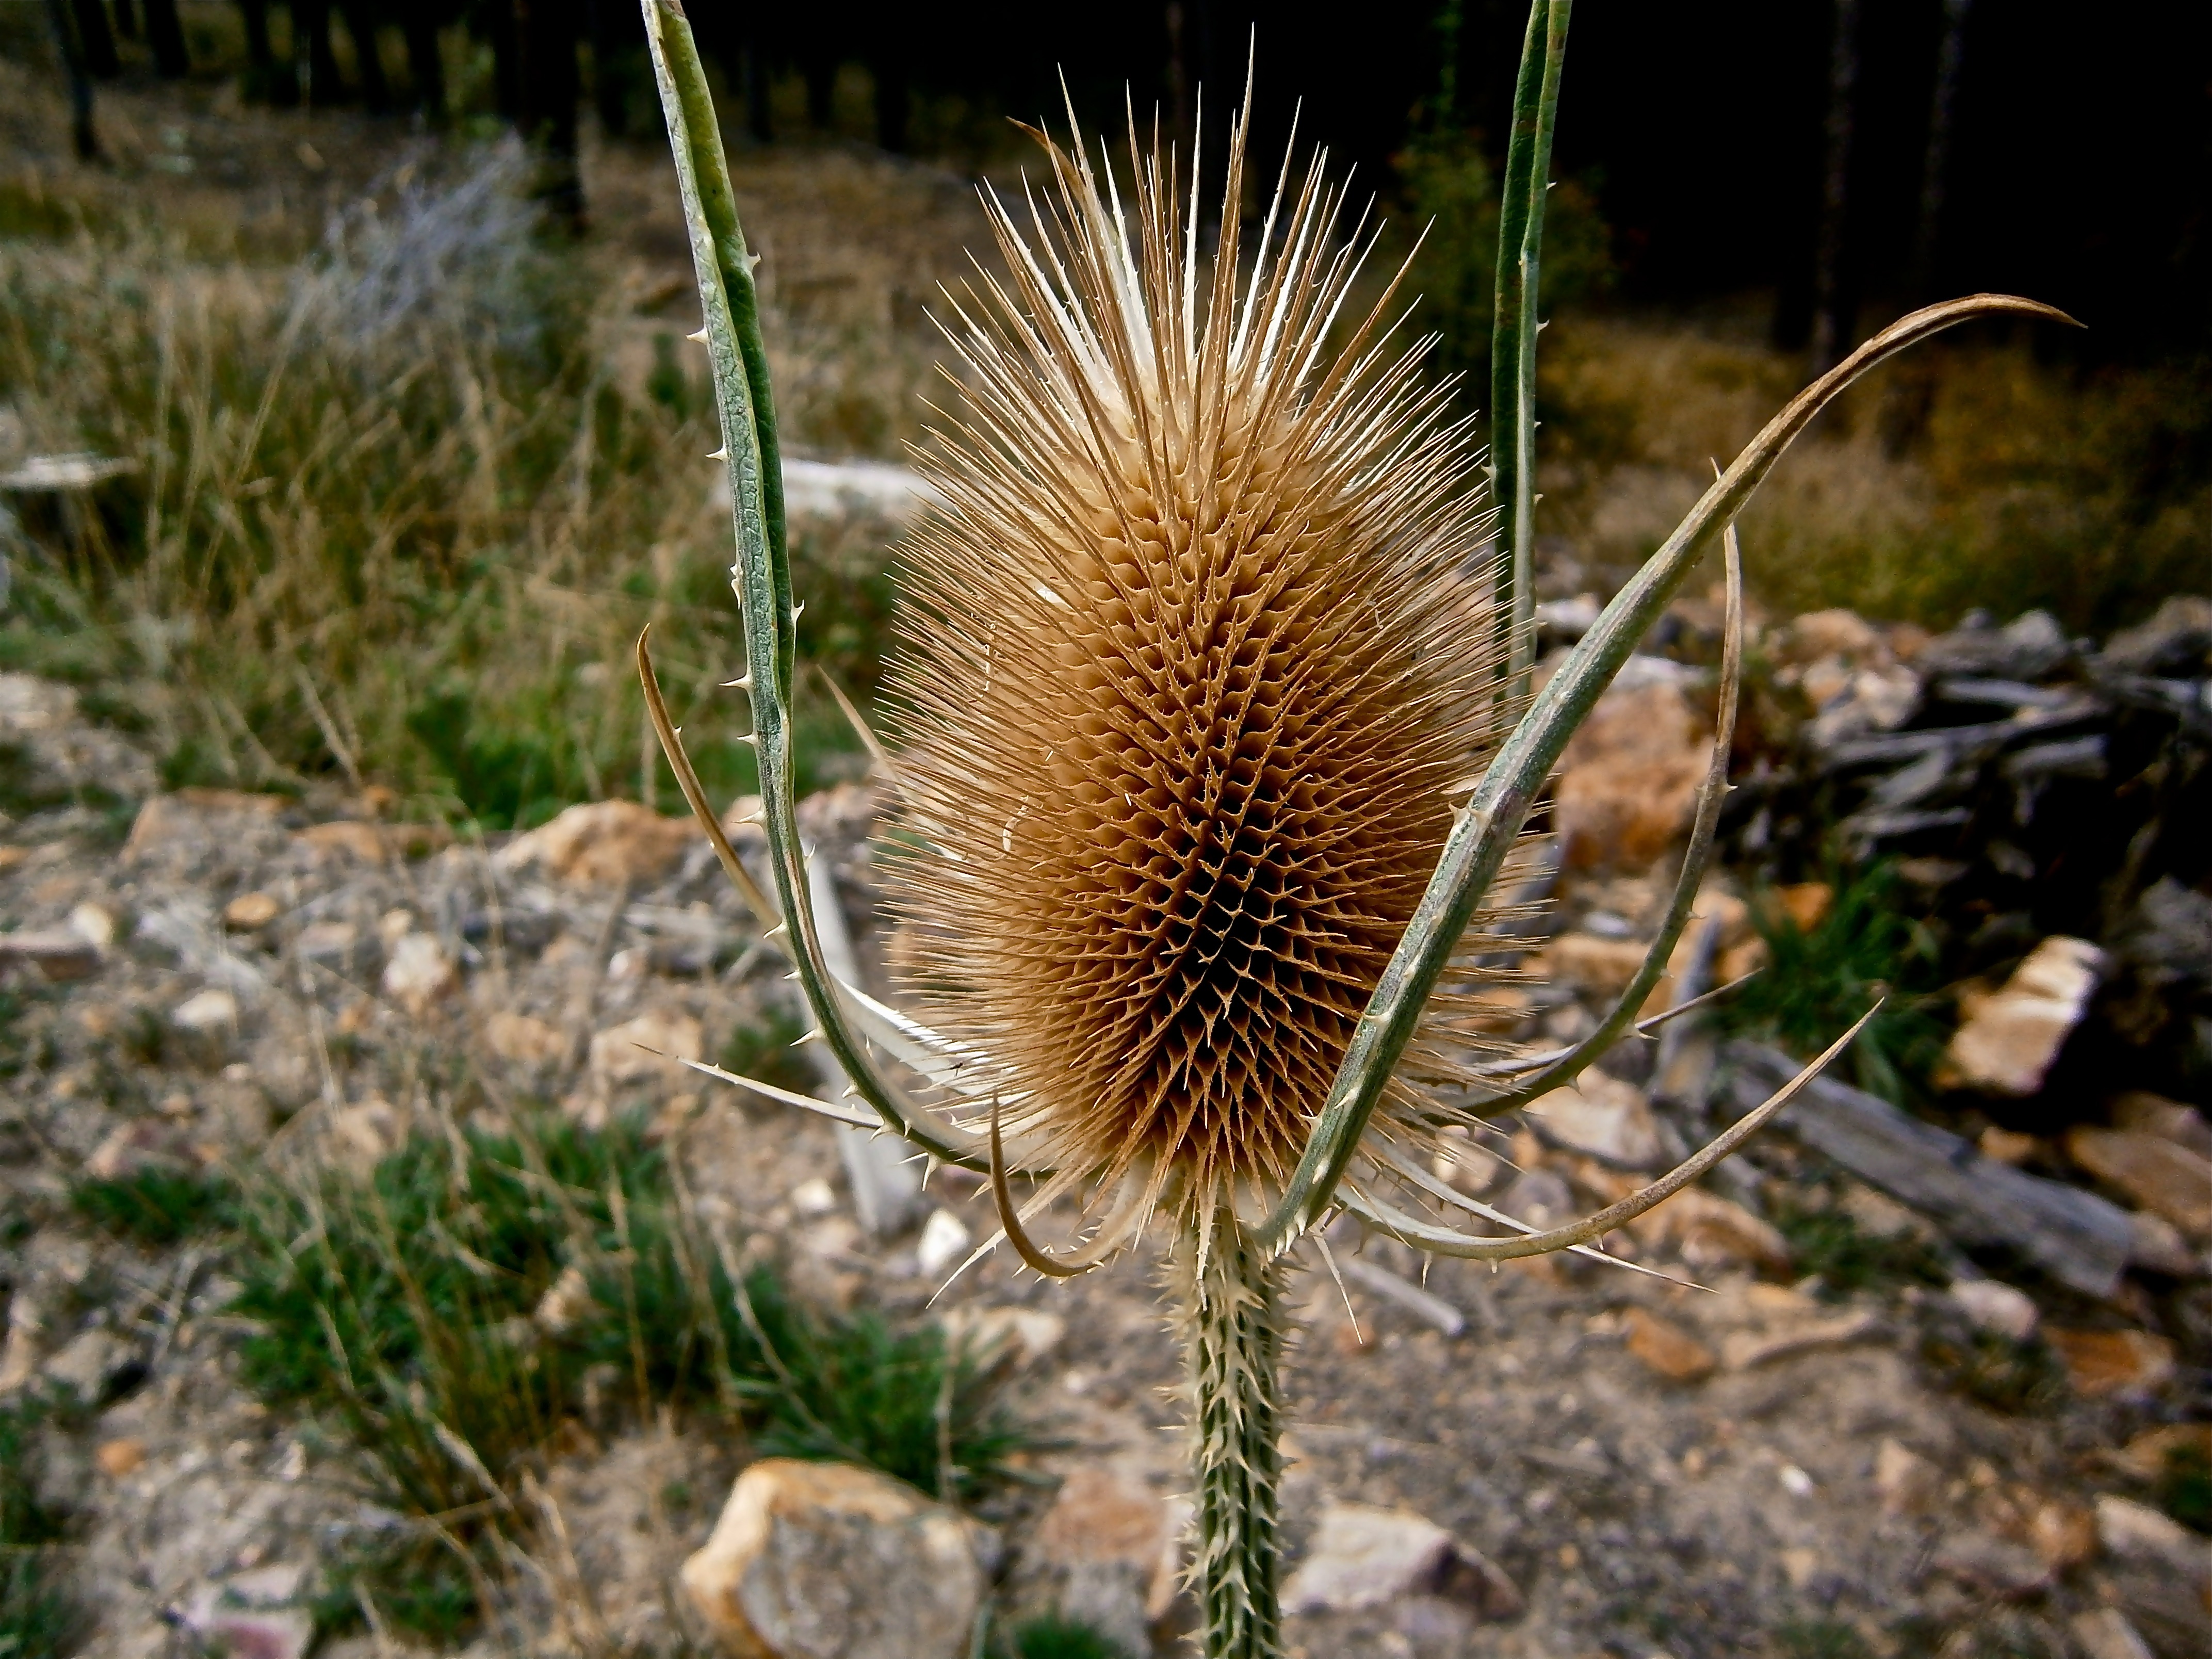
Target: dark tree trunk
[(760, 118), (266, 79), (127, 19), (503, 33), (167, 37), (96, 40), (81, 134), (426, 67), (894, 101), (361, 23), (320, 83), (618, 58), (1950, 52), (1831, 304), (819, 66), (549, 92)]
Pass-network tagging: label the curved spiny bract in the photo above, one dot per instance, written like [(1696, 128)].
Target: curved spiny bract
[(1189, 668)]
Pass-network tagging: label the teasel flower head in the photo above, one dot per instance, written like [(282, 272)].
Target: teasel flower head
[(1191, 669)]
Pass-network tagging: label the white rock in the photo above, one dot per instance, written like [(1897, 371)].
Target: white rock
[(824, 1561), (813, 1197), (92, 924), (251, 1615), (2136, 1533), (1993, 1305), (206, 1012), (1116, 1544), (2105, 1633), (1364, 1557), (1029, 1332), (419, 973), (1603, 1116), (2010, 1039), (650, 1049), (944, 1240)]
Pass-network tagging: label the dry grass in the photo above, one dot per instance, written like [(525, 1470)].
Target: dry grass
[(407, 491), (1975, 475)]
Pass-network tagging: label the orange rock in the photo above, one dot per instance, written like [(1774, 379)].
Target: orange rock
[(118, 1458), (1668, 1349), (250, 912), (2006, 1147), (1603, 966), (2102, 1362), (164, 819), (604, 843), (2162, 1175), (2064, 1534), (1807, 904), (1629, 780), (2147, 1456), (2154, 1115)]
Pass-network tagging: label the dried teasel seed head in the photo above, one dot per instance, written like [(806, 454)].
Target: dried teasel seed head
[(1188, 670)]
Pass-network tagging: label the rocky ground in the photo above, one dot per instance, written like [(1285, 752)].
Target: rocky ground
[(1855, 1434)]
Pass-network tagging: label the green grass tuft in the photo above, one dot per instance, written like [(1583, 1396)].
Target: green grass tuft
[(2023, 1379), (1819, 1639), (398, 1309), (2185, 1488), (1817, 983), (1848, 1258), (764, 1050), (1052, 1636), (40, 1619), (156, 1207)]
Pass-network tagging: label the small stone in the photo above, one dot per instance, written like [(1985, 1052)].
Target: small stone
[(134, 1147), (118, 1458), (257, 1615), (62, 954), (1905, 1481), (327, 942), (2003, 1146), (1117, 1544), (2147, 1456), (2130, 1531), (2162, 1175), (1879, 1214), (365, 1132), (1540, 1198), (1364, 1557), (419, 974), (2011, 1038), (1710, 1232), (1668, 1349), (87, 1362), (1607, 1119), (2145, 1113), (178, 822), (1029, 1333), (2158, 1574), (945, 1239), (94, 924), (1590, 963), (206, 1013), (650, 1049), (2063, 1534), (825, 1561), (1805, 905), (605, 844), (2105, 1633), (812, 1197), (1741, 1351), (2156, 1243), (1629, 778), (251, 912), (2126, 1363), (1996, 1565), (366, 843), (523, 1040), (1992, 1305)]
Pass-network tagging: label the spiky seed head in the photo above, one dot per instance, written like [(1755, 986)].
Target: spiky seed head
[(1187, 671)]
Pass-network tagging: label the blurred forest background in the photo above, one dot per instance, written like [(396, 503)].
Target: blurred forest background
[(359, 324)]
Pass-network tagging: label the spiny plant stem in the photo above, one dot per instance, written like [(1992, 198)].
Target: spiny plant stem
[(1227, 1295), (1513, 339)]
